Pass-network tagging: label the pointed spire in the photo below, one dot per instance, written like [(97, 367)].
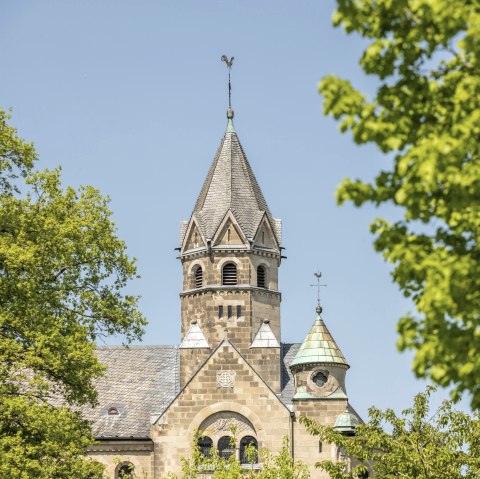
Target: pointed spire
[(319, 346), (265, 337), (231, 185)]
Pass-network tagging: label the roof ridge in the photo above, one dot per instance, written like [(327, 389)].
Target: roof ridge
[(138, 346)]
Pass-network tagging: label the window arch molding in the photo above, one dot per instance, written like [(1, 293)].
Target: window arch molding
[(194, 265), (206, 412), (125, 470), (226, 260)]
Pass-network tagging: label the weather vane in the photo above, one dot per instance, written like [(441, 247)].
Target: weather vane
[(229, 66), (318, 275)]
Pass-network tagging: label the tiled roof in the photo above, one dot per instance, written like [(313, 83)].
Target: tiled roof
[(231, 184), (288, 352), (319, 347), (140, 381)]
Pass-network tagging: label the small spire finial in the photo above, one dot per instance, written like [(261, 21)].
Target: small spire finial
[(318, 275)]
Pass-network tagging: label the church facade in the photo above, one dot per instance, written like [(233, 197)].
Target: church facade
[(232, 367)]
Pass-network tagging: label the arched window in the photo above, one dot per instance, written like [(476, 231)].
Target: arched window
[(125, 471), (229, 274), (205, 445), (198, 277), (246, 457), (261, 280), (225, 447), (363, 474)]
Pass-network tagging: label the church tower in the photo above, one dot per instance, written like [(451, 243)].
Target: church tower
[(230, 250)]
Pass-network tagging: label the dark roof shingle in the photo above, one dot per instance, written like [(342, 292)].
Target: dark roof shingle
[(139, 381), (231, 185)]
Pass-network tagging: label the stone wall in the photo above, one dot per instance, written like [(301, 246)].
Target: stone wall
[(225, 384), (306, 446), (116, 453)]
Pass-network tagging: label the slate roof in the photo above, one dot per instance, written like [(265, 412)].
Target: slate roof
[(140, 381), (231, 185), (288, 352), (319, 347)]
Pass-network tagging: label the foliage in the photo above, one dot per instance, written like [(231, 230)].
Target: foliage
[(415, 445), (214, 466), (426, 55), (62, 275)]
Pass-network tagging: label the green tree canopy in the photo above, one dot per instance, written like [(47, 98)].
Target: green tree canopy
[(418, 444), (425, 114), (63, 271)]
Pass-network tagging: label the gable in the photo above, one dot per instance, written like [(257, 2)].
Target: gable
[(225, 378), (193, 237), (229, 233), (265, 238)]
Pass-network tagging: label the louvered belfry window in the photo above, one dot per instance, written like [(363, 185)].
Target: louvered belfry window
[(261, 283), (229, 274), (198, 277)]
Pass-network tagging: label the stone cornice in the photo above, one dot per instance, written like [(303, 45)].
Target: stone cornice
[(234, 289), (121, 445), (234, 251)]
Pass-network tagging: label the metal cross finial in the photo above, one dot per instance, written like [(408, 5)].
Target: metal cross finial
[(318, 275), (229, 66)]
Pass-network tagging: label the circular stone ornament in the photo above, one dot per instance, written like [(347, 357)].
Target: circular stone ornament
[(320, 378)]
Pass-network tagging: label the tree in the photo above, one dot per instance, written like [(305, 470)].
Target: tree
[(216, 466), (416, 445), (62, 275), (425, 115)]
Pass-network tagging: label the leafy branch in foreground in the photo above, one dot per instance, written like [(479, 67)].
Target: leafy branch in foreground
[(216, 466), (63, 271), (418, 444), (424, 114)]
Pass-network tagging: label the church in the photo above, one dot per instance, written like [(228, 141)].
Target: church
[(232, 366)]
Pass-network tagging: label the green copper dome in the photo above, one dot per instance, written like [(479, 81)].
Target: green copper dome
[(319, 347), (346, 422)]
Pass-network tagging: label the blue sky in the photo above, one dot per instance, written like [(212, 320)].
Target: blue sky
[(130, 96)]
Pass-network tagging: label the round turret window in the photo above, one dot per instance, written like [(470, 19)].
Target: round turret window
[(320, 378)]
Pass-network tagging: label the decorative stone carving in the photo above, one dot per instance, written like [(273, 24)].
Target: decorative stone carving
[(221, 422), (225, 379)]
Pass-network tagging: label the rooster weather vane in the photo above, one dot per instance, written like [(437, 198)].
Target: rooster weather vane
[(229, 66)]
